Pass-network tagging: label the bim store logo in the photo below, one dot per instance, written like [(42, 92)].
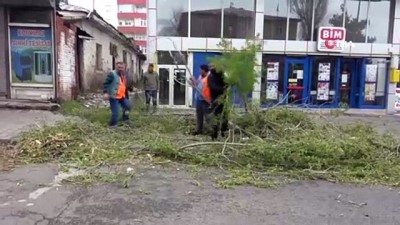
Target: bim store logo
[(331, 39)]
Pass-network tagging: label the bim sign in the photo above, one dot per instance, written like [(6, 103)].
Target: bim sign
[(331, 39)]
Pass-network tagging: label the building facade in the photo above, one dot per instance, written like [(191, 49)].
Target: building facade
[(52, 51), (132, 21), (315, 53), (89, 48)]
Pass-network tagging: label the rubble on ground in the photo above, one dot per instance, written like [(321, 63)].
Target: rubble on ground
[(93, 100)]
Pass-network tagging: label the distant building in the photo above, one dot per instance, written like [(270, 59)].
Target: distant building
[(132, 21), (107, 9)]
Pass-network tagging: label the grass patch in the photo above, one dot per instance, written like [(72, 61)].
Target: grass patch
[(263, 148), (93, 178)]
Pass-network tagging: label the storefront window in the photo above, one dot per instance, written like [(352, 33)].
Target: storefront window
[(375, 82), (239, 18), (356, 20), (172, 18), (275, 20), (323, 81), (377, 27), (171, 58), (329, 13), (206, 18), (272, 80), (301, 14), (30, 16), (31, 55)]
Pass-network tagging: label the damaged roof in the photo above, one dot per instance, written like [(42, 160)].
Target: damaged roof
[(76, 13)]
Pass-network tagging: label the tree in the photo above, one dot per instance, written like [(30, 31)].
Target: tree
[(239, 67), (355, 28), (304, 10), (171, 28)]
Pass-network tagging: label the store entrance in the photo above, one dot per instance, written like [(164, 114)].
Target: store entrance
[(326, 82), (295, 81), (349, 85)]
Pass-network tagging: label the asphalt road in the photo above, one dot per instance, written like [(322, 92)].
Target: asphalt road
[(32, 196)]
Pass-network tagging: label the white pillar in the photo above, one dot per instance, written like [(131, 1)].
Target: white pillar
[(394, 64), (258, 32), (151, 31), (394, 61)]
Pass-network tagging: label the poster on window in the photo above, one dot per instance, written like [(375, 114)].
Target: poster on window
[(323, 91), (370, 92), (273, 71), (324, 72), (31, 55), (272, 91), (397, 100), (371, 72)]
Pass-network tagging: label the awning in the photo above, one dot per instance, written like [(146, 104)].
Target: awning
[(84, 35)]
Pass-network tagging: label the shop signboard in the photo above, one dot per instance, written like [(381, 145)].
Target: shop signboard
[(331, 39), (31, 55)]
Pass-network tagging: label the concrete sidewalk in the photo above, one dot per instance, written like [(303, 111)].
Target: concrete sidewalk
[(14, 122)]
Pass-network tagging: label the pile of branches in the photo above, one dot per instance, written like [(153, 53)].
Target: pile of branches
[(291, 143), (273, 142)]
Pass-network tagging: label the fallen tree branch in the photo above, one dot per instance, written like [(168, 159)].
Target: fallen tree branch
[(212, 143)]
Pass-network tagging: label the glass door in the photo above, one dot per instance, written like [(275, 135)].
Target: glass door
[(179, 87), (173, 88), (374, 72), (348, 87), (295, 81), (164, 89)]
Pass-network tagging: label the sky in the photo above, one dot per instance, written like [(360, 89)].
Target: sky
[(379, 11)]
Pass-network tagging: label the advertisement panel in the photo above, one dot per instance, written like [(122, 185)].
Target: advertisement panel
[(31, 55)]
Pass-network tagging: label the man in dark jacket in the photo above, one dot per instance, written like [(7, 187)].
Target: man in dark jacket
[(218, 88)]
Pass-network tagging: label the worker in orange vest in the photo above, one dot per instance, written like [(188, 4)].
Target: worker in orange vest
[(115, 90), (202, 97)]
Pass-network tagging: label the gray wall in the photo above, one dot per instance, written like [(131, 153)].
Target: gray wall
[(3, 52)]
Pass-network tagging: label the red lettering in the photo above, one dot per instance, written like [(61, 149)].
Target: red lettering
[(30, 33), (33, 43)]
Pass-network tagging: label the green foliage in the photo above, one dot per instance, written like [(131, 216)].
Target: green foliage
[(239, 67)]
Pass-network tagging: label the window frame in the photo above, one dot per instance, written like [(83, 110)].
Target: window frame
[(99, 57)]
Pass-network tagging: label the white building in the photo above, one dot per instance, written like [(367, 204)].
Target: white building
[(108, 9), (354, 73)]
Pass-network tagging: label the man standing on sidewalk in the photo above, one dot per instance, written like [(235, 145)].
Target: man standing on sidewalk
[(151, 84), (115, 90)]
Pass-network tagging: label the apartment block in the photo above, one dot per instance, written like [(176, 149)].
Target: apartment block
[(132, 21)]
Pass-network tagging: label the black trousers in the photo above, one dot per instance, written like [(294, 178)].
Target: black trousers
[(201, 113), (151, 96), (221, 122)]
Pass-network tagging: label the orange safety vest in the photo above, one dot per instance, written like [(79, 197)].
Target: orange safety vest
[(206, 90), (121, 92)]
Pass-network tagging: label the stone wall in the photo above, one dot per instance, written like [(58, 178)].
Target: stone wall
[(67, 56)]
